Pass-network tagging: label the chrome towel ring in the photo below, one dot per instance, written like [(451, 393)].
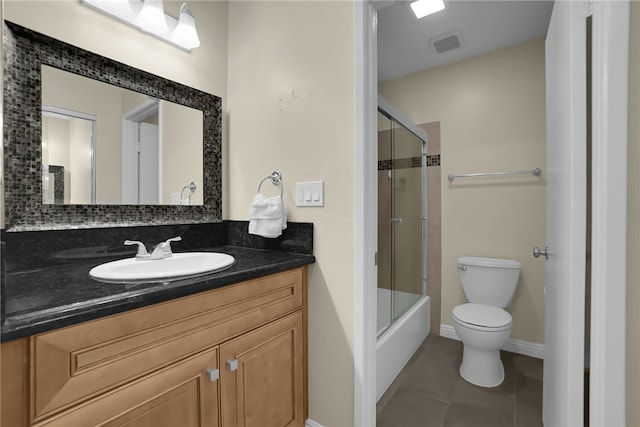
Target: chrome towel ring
[(276, 179)]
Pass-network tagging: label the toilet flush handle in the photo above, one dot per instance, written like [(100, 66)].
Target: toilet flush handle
[(462, 267)]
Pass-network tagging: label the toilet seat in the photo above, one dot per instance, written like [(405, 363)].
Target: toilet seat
[(482, 317)]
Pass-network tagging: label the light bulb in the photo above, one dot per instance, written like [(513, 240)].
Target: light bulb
[(151, 17), (185, 33)]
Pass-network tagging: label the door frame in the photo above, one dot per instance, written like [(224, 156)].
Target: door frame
[(610, 86), (366, 214), (608, 338)]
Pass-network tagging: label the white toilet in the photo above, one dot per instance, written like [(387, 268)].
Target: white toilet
[(482, 324)]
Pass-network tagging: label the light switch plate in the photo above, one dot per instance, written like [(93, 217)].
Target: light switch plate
[(310, 193)]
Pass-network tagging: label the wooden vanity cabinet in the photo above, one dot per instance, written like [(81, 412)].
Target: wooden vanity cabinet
[(234, 356)]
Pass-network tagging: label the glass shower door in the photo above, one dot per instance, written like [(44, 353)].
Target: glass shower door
[(400, 220), (407, 232), (385, 213)]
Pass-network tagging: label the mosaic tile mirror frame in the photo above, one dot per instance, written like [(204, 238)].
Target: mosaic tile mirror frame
[(25, 51)]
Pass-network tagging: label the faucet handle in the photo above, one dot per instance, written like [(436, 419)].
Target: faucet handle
[(173, 239), (163, 249), (142, 249), (167, 243)]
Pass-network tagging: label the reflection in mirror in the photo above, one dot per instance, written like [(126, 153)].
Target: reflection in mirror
[(135, 150), (68, 144)]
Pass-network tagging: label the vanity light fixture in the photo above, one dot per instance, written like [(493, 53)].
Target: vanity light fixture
[(148, 16), (422, 8), (185, 33), (151, 17)]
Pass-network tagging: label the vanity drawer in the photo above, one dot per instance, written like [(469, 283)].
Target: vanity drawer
[(77, 363)]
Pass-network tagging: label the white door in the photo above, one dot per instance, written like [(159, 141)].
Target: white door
[(148, 165), (566, 82), (139, 138)]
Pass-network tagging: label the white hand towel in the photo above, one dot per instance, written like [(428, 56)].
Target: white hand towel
[(267, 217)]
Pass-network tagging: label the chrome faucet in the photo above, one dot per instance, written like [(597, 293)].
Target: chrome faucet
[(160, 251)]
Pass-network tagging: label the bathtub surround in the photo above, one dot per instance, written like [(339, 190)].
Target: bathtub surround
[(434, 225)]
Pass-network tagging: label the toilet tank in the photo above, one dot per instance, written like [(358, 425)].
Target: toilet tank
[(489, 281)]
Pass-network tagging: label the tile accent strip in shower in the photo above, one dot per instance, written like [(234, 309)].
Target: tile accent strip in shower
[(407, 163)]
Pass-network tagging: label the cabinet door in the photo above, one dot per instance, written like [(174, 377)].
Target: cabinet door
[(184, 394), (75, 364), (262, 377)]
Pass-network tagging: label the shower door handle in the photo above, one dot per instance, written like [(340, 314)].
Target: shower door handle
[(395, 221)]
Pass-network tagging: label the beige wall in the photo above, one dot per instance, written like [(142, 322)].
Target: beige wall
[(181, 151), (68, 20), (492, 114), (633, 232), (205, 68), (291, 108)]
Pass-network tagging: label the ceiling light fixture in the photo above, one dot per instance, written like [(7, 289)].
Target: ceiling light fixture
[(148, 16), (422, 8)]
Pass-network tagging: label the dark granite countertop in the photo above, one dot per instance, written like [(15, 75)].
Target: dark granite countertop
[(46, 283), (40, 300)]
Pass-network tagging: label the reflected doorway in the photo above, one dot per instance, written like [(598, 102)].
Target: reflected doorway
[(141, 155)]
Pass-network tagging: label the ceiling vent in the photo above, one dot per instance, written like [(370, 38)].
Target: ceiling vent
[(446, 42)]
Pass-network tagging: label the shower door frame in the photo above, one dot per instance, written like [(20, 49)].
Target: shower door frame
[(397, 118)]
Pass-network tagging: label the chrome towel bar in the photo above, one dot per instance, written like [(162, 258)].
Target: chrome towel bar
[(534, 171)]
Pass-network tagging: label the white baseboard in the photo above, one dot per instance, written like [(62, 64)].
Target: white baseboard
[(310, 423), (515, 346)]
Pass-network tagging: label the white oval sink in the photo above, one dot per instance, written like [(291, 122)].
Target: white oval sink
[(178, 266)]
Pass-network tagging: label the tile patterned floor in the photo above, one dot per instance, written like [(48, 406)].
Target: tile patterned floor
[(430, 392)]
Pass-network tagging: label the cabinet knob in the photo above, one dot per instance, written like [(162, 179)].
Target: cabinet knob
[(232, 364), (213, 374)]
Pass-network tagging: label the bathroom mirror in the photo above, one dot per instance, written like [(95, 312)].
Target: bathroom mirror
[(118, 146), (27, 53)]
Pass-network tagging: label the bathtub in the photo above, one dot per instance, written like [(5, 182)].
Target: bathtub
[(398, 342)]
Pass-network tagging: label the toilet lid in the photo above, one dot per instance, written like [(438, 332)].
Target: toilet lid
[(482, 315)]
